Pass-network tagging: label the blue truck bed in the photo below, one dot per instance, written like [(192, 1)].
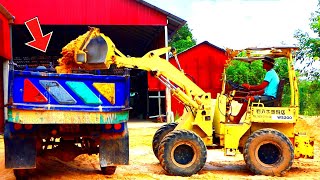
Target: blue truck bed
[(50, 98)]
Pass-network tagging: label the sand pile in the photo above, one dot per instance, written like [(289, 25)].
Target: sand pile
[(310, 125)]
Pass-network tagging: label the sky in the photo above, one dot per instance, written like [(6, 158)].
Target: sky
[(239, 24)]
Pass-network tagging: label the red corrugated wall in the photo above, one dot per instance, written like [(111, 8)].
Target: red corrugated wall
[(5, 47), (205, 64), (153, 83), (94, 12)]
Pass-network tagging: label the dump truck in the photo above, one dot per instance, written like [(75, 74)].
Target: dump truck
[(266, 134), (65, 115)]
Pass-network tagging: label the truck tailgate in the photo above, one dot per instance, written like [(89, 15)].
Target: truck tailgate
[(50, 98)]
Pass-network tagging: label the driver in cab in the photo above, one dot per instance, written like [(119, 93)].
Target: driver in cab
[(265, 91)]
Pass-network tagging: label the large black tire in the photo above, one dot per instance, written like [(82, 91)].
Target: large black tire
[(109, 170), (268, 152), (159, 135), (21, 174), (182, 153)]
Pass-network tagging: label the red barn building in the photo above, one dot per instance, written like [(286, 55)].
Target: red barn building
[(135, 27), (204, 64)]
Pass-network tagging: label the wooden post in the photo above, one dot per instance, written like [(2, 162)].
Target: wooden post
[(169, 113)]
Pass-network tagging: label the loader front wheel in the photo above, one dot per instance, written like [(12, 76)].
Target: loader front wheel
[(182, 153), (160, 133), (268, 152), (109, 170)]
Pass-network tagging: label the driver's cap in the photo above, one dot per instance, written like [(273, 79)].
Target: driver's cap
[(268, 60)]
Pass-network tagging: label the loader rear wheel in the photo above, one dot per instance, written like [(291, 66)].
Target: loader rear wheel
[(268, 152), (182, 153), (109, 170), (160, 133)]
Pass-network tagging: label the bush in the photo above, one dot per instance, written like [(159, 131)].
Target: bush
[(309, 92)]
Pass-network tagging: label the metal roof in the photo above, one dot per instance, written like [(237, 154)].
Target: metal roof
[(136, 26), (205, 42), (98, 12), (174, 22)]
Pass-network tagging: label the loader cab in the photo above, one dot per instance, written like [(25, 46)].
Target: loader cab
[(254, 54), (259, 115)]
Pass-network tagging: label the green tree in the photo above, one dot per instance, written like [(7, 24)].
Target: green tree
[(309, 52), (309, 46), (242, 72), (183, 39)]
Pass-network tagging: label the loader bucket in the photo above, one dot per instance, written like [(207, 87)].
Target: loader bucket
[(96, 53), (96, 50)]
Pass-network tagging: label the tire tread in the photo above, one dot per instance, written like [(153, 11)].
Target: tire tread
[(178, 134), (263, 132), (157, 136)]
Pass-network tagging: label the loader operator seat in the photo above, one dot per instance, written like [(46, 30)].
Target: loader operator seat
[(277, 101)]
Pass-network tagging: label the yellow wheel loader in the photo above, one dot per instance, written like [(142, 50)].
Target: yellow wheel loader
[(265, 136)]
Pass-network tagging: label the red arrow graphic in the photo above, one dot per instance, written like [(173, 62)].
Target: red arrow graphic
[(39, 42)]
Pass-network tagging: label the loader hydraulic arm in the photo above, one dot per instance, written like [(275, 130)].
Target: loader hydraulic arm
[(97, 51)]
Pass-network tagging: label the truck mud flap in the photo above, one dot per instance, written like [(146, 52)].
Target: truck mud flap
[(114, 147), (20, 151)]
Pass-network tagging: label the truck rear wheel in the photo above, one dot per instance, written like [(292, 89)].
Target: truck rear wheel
[(109, 170), (160, 133), (268, 152), (21, 174), (182, 153)]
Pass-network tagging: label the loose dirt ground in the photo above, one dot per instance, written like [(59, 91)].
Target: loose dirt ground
[(144, 165)]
